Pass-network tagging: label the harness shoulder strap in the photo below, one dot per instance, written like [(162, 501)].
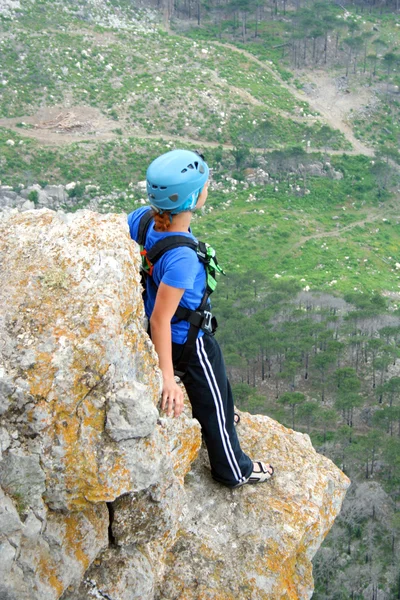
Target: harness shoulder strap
[(169, 243), (144, 225), (200, 318)]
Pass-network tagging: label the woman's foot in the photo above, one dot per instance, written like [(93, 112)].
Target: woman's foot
[(261, 472)]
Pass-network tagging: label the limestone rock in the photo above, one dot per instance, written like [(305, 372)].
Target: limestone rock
[(255, 541), (79, 386), (71, 324), (22, 477), (129, 417), (40, 557), (123, 574), (100, 497), (150, 514), (56, 192)]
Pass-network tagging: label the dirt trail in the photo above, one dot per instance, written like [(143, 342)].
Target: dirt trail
[(64, 125), (370, 218), (99, 128), (325, 99)]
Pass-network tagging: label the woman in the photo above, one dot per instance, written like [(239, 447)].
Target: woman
[(177, 185)]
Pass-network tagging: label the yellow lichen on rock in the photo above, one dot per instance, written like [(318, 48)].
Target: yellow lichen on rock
[(69, 292)]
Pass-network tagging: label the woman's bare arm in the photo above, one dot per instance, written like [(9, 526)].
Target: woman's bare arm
[(166, 303)]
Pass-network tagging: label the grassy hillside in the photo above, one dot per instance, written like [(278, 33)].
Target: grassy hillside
[(147, 81)]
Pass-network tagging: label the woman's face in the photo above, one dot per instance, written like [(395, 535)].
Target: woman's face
[(203, 196)]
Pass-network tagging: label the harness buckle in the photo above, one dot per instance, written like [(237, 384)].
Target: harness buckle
[(207, 324)]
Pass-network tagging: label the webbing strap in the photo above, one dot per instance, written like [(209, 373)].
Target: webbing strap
[(144, 225), (195, 318), (181, 367), (169, 243)]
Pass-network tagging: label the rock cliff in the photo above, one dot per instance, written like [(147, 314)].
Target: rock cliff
[(101, 496)]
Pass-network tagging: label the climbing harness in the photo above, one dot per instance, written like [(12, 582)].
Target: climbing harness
[(200, 318)]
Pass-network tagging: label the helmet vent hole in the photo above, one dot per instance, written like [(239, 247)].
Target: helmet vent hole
[(174, 197), (196, 164), (163, 187), (190, 167), (201, 169), (155, 187), (183, 170)]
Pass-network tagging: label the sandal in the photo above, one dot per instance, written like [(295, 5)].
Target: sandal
[(263, 472)]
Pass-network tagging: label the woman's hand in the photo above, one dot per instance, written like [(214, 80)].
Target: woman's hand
[(172, 397), (167, 300)]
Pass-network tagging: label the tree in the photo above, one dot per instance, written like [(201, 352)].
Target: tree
[(328, 417), (321, 363), (379, 46), (264, 132), (391, 390), (308, 411), (384, 418), (366, 449), (325, 137), (292, 399), (347, 402), (382, 172), (346, 380), (373, 346), (240, 153), (354, 45), (391, 455)]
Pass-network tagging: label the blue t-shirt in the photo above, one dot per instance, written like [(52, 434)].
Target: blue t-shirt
[(179, 268)]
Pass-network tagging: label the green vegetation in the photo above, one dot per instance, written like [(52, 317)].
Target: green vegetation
[(169, 86), (111, 165), (310, 310)]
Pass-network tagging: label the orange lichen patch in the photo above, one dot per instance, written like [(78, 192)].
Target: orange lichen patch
[(82, 477), (289, 580), (187, 453), (112, 481), (74, 540), (183, 438), (92, 416), (47, 570), (40, 376)]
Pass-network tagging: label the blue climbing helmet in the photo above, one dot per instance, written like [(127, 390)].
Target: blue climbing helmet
[(175, 179)]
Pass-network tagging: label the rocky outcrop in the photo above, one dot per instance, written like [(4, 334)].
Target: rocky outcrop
[(101, 497)]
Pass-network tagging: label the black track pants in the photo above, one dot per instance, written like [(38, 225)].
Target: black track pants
[(211, 398)]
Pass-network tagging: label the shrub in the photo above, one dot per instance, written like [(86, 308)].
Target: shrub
[(77, 191), (33, 196)]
